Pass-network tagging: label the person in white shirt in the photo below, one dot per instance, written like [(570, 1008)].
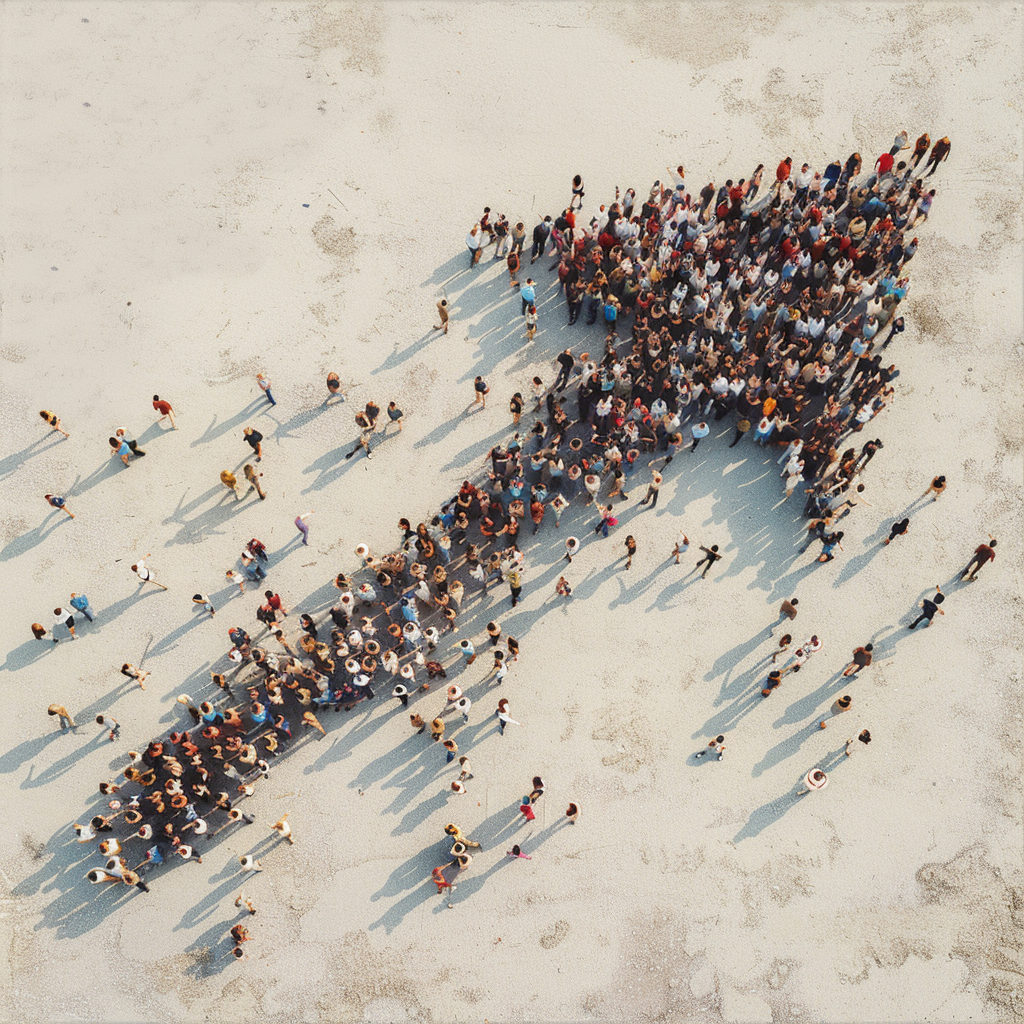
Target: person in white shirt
[(142, 571)]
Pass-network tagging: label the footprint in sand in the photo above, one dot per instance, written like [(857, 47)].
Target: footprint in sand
[(555, 936)]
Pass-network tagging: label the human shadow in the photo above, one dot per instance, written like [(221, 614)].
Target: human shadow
[(399, 356), (27, 541), (13, 462), (766, 815), (218, 427), (196, 528), (107, 469)]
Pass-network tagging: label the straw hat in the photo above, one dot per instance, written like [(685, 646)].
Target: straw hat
[(372, 647), (454, 693), (407, 672)]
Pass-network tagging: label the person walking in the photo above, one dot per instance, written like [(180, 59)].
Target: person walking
[(682, 545), (264, 385), (121, 434), (787, 610), (572, 545), (230, 481), (562, 588), (204, 601), (480, 392), (504, 718), (475, 242), (515, 584), (531, 322), (936, 487), (527, 295), (109, 723), (283, 829), (254, 439), (939, 153), (334, 388), (565, 363), (698, 431), (54, 421), (366, 427), (864, 736), (395, 415), (715, 746), (607, 520), (139, 675), (711, 556), (983, 553), (62, 615), (254, 479), (630, 550), (302, 526), (742, 427), (144, 573), (652, 490), (61, 712), (81, 604), (814, 780), (541, 234), (57, 502), (165, 409), (39, 631), (249, 864), (897, 530), (442, 312), (861, 659), (515, 407), (929, 607), (572, 813)]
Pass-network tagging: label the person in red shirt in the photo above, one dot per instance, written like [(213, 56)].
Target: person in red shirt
[(982, 553), (883, 165), (784, 169), (165, 409)]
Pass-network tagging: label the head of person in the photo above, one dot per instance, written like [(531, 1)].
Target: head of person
[(869, 647), (939, 598), (865, 736), (714, 547)]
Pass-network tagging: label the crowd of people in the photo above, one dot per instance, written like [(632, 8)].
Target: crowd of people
[(772, 304)]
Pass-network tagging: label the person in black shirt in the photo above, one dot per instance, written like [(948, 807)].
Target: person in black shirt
[(540, 239), (566, 363), (929, 608)]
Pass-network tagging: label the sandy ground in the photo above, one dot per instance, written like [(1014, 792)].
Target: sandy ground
[(286, 188)]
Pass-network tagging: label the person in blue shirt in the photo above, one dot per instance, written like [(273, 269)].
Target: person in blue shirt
[(55, 501), (528, 293), (81, 604)]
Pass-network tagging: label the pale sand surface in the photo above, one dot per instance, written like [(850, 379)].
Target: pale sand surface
[(161, 153)]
